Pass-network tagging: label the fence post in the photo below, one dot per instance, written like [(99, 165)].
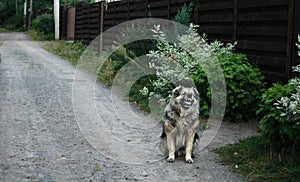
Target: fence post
[(101, 20), (235, 19), (128, 10), (89, 22), (290, 43), (169, 9), (76, 22), (196, 12), (114, 15), (146, 8), (64, 28), (296, 31)]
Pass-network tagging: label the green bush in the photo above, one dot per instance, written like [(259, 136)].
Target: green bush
[(44, 26), (136, 96), (280, 110), (113, 64), (244, 82), (119, 58), (273, 125), (184, 16), (13, 22), (244, 85)]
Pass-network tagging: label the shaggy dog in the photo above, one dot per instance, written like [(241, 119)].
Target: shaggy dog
[(180, 124)]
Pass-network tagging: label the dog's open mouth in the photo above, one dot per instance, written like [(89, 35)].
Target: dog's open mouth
[(187, 101)]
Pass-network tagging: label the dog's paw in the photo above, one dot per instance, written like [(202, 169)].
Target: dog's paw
[(189, 160), (171, 159)]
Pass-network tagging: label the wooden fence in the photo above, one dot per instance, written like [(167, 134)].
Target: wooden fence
[(265, 30), (122, 11), (87, 21)]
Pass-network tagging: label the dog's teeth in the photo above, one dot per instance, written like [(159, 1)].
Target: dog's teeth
[(188, 103)]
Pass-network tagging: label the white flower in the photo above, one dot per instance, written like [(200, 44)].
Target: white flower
[(144, 91), (283, 114), (179, 60)]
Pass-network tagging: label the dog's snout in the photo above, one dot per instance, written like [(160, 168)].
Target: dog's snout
[(189, 96)]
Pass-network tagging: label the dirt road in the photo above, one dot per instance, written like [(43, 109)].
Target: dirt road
[(41, 139)]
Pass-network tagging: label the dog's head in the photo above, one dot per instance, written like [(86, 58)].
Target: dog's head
[(186, 97)]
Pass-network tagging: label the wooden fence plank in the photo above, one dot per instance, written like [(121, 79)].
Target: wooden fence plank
[(290, 44), (264, 16), (262, 30), (263, 46), (216, 6), (216, 18), (260, 3)]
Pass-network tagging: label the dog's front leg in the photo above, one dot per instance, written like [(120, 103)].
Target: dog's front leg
[(170, 142), (189, 148)]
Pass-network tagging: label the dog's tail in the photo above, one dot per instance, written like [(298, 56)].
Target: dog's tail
[(163, 146)]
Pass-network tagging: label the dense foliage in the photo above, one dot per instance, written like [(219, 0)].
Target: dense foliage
[(11, 16), (272, 123), (44, 26), (244, 85), (114, 63), (184, 15), (244, 82), (12, 12), (280, 110)]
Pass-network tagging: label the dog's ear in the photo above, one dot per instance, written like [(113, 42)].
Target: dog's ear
[(176, 91), (196, 92)]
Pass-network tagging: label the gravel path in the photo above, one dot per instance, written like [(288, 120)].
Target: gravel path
[(41, 139)]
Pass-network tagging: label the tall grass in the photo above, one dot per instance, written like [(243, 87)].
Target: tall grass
[(70, 51), (254, 159)]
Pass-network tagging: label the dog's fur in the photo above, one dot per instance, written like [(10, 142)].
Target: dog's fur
[(180, 124)]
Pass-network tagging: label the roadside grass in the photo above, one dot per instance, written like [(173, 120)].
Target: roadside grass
[(70, 51), (136, 96), (254, 159), (3, 30), (35, 35)]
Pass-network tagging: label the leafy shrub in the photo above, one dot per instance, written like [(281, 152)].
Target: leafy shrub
[(135, 94), (114, 63), (271, 122), (12, 22), (44, 26), (281, 113), (120, 57), (184, 16), (244, 82)]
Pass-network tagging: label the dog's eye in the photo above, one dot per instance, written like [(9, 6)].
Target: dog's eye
[(176, 93)]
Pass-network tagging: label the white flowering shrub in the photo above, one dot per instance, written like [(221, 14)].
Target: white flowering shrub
[(290, 106), (281, 112), (174, 65), (191, 59)]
